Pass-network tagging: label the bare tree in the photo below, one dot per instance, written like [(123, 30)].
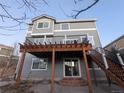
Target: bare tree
[(26, 7)]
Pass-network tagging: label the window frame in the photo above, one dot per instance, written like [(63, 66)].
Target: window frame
[(79, 66), (43, 23), (38, 68), (65, 29)]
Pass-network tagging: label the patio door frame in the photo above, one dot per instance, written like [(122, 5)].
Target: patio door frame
[(79, 67)]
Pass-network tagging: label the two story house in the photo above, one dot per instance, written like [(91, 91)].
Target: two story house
[(54, 49)]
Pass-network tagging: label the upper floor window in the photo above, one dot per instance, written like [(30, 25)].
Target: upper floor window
[(65, 26), (43, 25)]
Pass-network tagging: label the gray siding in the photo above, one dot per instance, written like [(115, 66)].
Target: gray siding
[(27, 73), (78, 25)]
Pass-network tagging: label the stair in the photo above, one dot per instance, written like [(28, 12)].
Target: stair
[(115, 72), (73, 82)]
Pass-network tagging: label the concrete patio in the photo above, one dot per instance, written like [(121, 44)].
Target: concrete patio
[(39, 87)]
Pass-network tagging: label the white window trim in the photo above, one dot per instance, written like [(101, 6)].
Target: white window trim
[(38, 69), (64, 29), (43, 22), (78, 66)]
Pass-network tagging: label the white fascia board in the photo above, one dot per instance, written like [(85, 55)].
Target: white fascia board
[(40, 34), (85, 29)]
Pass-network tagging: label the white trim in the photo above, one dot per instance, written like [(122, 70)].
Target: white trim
[(38, 34), (77, 20), (4, 55), (97, 68), (38, 69), (53, 27), (43, 22), (121, 48), (78, 66), (29, 32), (84, 29)]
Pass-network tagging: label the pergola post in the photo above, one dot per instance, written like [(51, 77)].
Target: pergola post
[(87, 72), (22, 58), (94, 74), (53, 72)]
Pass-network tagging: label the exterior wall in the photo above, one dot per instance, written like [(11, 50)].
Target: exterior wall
[(78, 25), (28, 74), (76, 31)]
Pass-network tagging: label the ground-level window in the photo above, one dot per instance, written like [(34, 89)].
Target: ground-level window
[(39, 64)]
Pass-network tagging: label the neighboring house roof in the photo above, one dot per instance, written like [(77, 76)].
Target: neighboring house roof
[(5, 46), (61, 21), (114, 41)]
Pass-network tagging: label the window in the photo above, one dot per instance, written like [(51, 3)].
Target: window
[(65, 26), (43, 25), (72, 67), (39, 64)]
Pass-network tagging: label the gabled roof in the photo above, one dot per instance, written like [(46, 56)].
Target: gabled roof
[(61, 21), (44, 15), (114, 41)]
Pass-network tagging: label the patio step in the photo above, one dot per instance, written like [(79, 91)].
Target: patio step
[(73, 82)]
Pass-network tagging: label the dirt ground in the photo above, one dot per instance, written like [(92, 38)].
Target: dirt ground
[(44, 87)]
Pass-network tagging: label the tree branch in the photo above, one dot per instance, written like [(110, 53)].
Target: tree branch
[(85, 9)]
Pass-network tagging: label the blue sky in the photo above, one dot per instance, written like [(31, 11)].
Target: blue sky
[(109, 15)]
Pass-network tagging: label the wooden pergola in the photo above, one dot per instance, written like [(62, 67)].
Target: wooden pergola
[(28, 48)]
